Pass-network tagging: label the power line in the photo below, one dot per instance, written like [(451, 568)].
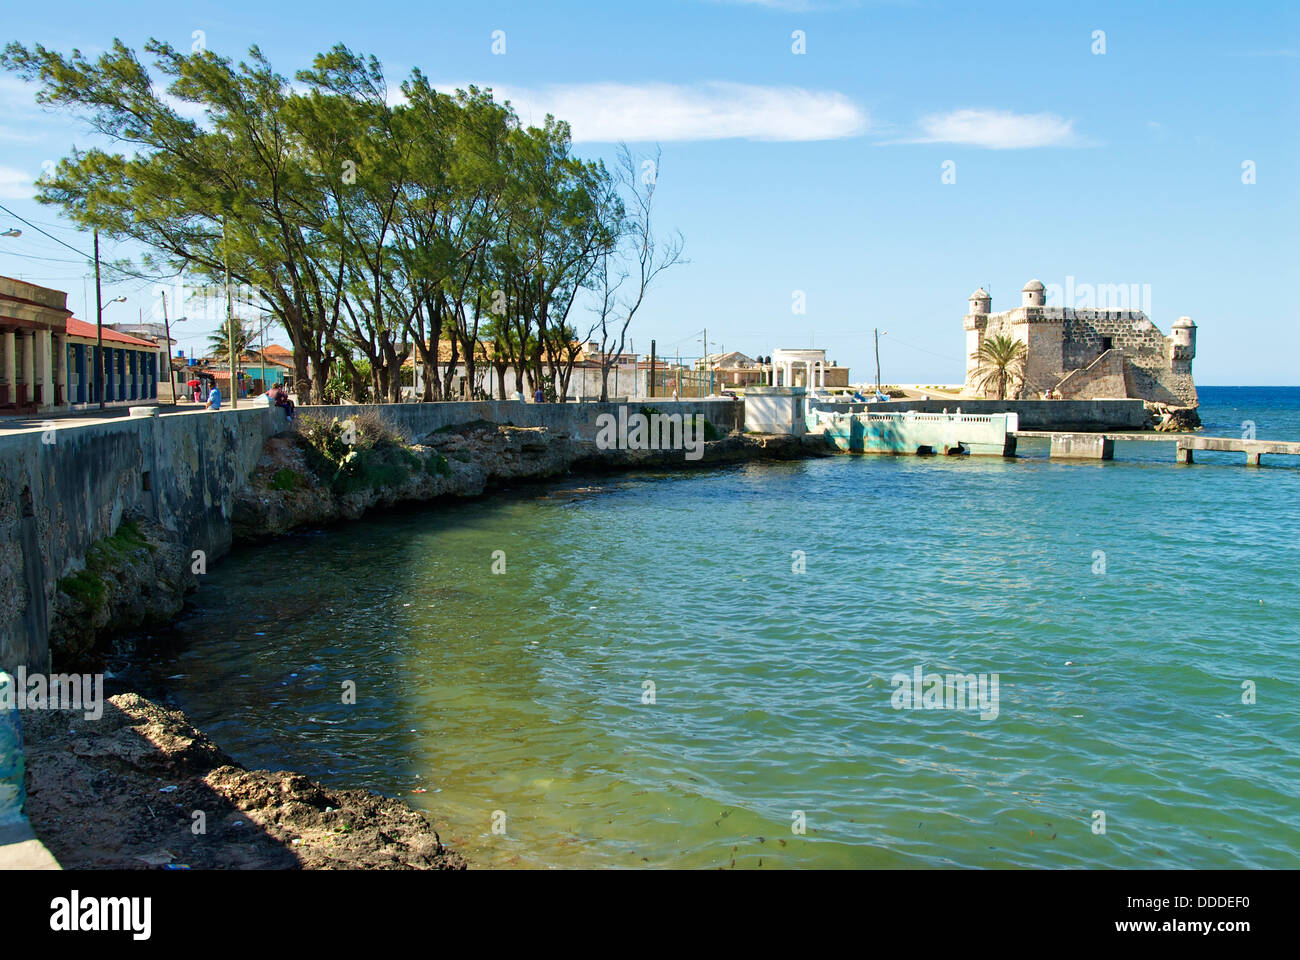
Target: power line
[(31, 256), (121, 270), (39, 230)]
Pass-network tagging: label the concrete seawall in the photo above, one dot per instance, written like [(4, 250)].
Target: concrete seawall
[(65, 488)]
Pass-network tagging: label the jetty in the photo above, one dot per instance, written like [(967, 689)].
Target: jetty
[(1101, 446)]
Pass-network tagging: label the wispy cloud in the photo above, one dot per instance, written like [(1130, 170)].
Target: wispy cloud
[(610, 112), (998, 129), (15, 184)]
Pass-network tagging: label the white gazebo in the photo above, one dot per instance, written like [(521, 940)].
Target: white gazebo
[(785, 363)]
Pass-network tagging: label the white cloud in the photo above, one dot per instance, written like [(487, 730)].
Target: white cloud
[(610, 112), (15, 184), (998, 129)]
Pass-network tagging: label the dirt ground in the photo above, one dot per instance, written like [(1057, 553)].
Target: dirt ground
[(141, 788)]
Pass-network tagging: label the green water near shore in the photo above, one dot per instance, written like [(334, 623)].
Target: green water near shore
[(1120, 691)]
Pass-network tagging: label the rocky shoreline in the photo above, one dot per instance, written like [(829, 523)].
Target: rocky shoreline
[(151, 776), (154, 792)]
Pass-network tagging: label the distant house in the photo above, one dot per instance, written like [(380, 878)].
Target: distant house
[(268, 367), (732, 360)]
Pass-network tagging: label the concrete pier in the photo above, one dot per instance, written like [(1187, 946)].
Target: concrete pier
[(1082, 446), (1101, 446), (1253, 449)]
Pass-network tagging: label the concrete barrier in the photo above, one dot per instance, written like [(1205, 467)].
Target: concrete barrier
[(1082, 446), (578, 420), (1062, 415)]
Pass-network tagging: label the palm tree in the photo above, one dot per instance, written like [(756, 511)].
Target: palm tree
[(1001, 360), (219, 342)]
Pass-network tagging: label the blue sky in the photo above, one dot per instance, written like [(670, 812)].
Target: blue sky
[(822, 172)]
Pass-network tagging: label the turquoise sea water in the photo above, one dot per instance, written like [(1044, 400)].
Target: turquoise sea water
[(520, 696)]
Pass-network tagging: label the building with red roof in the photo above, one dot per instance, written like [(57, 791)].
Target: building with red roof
[(49, 360)]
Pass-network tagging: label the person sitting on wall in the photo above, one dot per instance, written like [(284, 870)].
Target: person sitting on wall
[(280, 398), (214, 399), (539, 396)]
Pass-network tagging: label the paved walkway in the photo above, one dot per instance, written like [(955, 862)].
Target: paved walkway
[(80, 418)]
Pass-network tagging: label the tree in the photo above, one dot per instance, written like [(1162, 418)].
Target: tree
[(636, 258), (219, 342), (230, 194), (1001, 362), (372, 230)]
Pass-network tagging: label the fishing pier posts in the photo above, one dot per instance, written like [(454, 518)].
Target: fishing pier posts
[(1253, 449)]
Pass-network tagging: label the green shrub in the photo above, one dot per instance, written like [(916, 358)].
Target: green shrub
[(102, 557), (287, 478), (437, 465)]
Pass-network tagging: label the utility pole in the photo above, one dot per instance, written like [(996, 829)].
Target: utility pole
[(877, 359), (99, 329), (230, 318), (652, 368), (167, 332)]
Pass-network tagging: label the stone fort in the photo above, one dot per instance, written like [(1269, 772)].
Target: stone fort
[(1085, 354)]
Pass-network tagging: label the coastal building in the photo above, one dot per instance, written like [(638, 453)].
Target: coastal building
[(48, 358), (806, 368), (1085, 354), (32, 328), (132, 367)]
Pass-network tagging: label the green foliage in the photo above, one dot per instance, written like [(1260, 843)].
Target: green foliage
[(376, 457), (1001, 360), (287, 478), (437, 465), (219, 342), (103, 557), (366, 225)]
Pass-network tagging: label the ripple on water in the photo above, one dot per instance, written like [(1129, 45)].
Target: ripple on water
[(1120, 687)]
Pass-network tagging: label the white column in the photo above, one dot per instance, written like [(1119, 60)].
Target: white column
[(29, 359), (10, 366), (60, 351)]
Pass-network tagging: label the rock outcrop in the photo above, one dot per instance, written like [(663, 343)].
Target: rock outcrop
[(153, 792)]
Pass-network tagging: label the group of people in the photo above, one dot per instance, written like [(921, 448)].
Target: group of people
[(279, 397)]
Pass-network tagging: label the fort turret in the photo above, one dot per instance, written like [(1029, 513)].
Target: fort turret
[(1033, 294), (1182, 348)]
